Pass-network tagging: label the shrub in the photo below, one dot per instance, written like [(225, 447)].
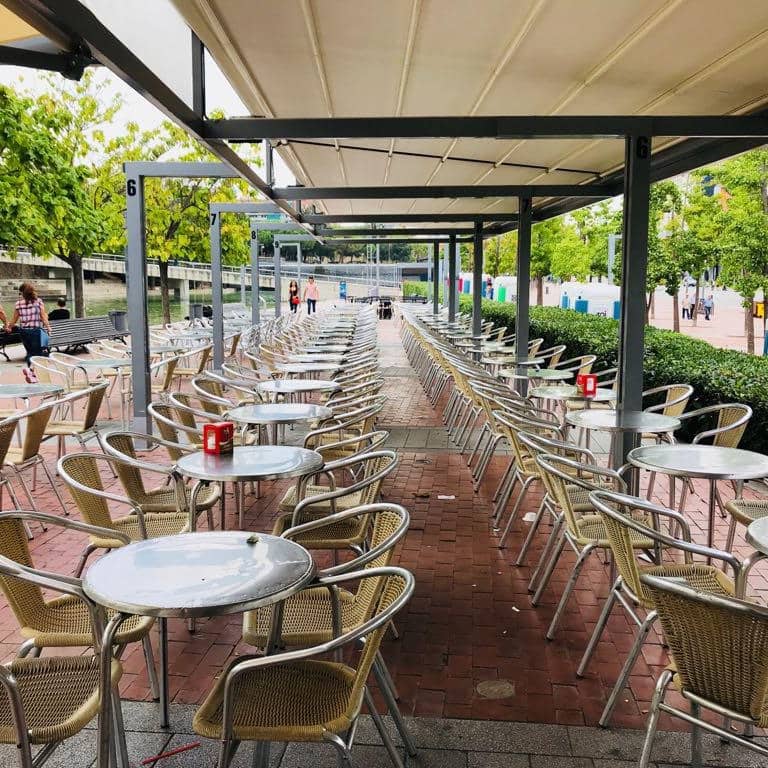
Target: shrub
[(412, 288), (716, 375)]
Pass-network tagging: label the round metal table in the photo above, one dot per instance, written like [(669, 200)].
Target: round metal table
[(246, 464), (292, 387), (550, 374), (265, 415), (116, 364), (296, 369), (317, 357), (563, 392), (617, 422), (314, 348), (709, 462), (28, 391), (189, 576), (757, 535)]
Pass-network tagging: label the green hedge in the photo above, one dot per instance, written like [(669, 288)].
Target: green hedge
[(716, 375)]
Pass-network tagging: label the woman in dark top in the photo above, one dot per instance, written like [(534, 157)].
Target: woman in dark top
[(293, 295)]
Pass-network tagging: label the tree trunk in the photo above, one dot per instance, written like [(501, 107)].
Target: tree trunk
[(75, 261), (652, 305), (164, 296), (750, 325), (675, 312), (695, 313), (540, 291)]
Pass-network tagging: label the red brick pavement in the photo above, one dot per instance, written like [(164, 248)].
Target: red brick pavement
[(470, 620)]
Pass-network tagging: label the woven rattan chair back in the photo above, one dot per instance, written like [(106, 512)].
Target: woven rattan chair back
[(35, 422), (93, 405), (7, 431), (719, 645), (164, 416), (84, 469), (512, 424), (676, 397), (130, 476), (732, 420), (167, 370), (25, 599)]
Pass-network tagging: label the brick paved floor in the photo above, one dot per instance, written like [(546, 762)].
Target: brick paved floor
[(470, 620)]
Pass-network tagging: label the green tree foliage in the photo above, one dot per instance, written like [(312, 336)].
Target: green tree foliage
[(594, 224), (742, 227), (500, 254)]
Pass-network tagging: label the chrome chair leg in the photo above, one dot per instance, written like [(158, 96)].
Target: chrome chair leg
[(574, 577)]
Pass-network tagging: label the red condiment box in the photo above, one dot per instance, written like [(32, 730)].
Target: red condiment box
[(586, 384), (218, 437)]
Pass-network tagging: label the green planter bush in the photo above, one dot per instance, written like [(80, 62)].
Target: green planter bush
[(716, 375)]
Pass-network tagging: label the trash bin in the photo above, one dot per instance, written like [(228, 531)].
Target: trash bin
[(195, 311), (581, 305), (117, 316), (616, 310)]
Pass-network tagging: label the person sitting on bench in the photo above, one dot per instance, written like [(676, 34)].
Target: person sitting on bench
[(61, 312)]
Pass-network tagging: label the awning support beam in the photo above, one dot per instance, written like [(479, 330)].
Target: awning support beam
[(634, 262), (452, 279), (523, 298), (435, 277), (477, 281)]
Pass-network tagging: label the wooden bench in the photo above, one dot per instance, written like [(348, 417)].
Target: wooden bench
[(76, 332)]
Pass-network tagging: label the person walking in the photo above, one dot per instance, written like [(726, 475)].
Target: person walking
[(709, 305), (293, 296), (687, 304), (311, 295), (489, 288), (32, 320)]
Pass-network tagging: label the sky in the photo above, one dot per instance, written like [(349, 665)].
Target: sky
[(219, 95)]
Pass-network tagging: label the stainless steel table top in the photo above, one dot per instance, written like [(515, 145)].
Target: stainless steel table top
[(103, 362), (757, 535), (316, 357), (569, 392), (550, 374), (160, 349), (312, 348), (29, 390), (298, 368), (199, 574), (635, 422), (292, 386), (279, 413), (250, 463), (707, 461)]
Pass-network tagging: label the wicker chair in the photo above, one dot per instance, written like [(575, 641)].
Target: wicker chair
[(162, 374), (578, 526), (627, 518), (84, 428), (61, 622), (33, 425), (80, 471), (47, 701), (291, 696), (305, 502), (732, 421), (308, 617), (353, 447), (166, 498), (719, 649), (188, 372)]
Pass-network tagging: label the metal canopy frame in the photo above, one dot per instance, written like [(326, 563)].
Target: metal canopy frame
[(252, 210), (710, 138)]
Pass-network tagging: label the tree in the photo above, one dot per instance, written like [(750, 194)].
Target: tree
[(500, 254), (43, 184), (743, 223), (594, 224)]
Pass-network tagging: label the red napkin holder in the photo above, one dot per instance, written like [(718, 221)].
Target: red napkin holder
[(218, 437), (590, 385)]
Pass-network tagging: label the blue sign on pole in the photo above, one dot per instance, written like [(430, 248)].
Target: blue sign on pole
[(343, 290)]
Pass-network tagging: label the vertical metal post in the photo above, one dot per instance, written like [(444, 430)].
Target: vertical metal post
[(255, 284), (452, 280), (523, 297), (435, 277), (278, 286), (298, 263), (378, 265), (242, 284), (269, 167), (136, 286), (217, 292), (634, 268), (477, 280)]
